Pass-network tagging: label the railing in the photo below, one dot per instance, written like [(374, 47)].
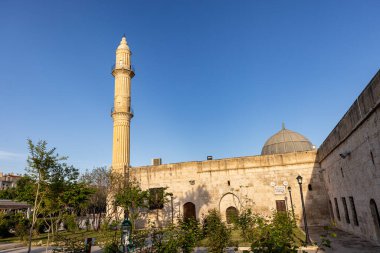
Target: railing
[(131, 68), (130, 111)]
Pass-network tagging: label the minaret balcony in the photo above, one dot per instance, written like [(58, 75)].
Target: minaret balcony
[(130, 112), (130, 69)]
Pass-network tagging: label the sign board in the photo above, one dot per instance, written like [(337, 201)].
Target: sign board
[(279, 190)]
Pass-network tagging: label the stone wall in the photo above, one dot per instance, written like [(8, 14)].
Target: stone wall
[(350, 160), (239, 182)]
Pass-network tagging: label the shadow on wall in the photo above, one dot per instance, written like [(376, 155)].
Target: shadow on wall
[(315, 199), (193, 203)]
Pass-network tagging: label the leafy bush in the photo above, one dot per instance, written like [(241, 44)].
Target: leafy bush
[(70, 222), (216, 231), (13, 222), (189, 234), (5, 225), (274, 234), (111, 247), (245, 222), (22, 227)]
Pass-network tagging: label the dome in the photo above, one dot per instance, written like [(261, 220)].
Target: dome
[(286, 141)]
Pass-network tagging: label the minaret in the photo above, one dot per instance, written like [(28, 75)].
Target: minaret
[(122, 112)]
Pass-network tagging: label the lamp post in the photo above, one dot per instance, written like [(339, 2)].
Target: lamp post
[(291, 200), (171, 202), (126, 229), (299, 179)]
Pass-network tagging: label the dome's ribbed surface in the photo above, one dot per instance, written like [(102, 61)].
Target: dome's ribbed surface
[(286, 141)]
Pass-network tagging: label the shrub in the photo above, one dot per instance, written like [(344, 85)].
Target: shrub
[(245, 222), (70, 222), (22, 227), (16, 222), (189, 234), (274, 234), (5, 225), (216, 231)]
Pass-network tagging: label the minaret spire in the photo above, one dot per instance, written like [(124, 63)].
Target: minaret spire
[(122, 112)]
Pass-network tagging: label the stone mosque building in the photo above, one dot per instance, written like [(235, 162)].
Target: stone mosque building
[(341, 179)]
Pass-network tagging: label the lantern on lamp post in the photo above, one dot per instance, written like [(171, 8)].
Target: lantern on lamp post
[(126, 230), (299, 180)]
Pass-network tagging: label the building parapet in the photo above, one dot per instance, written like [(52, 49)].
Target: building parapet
[(360, 110), (235, 163)]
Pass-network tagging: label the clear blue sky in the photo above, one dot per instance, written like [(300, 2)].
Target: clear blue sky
[(212, 77)]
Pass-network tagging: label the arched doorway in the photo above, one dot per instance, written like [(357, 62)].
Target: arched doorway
[(231, 214), (189, 211), (375, 217)]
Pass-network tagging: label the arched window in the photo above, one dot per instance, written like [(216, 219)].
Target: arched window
[(189, 211), (231, 214), (375, 216)]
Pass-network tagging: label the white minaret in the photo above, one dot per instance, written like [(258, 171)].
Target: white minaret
[(122, 112)]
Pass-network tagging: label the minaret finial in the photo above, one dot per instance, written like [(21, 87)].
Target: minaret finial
[(283, 125)]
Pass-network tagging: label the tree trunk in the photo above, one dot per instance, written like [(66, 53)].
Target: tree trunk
[(34, 216)]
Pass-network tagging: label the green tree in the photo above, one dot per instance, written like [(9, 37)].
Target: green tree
[(217, 233), (9, 193), (130, 197), (99, 180), (274, 234), (55, 191)]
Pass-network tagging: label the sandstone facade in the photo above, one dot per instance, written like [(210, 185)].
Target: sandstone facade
[(350, 161), (255, 181)]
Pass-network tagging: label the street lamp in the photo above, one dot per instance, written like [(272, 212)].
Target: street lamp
[(126, 229), (291, 200), (299, 180), (171, 201)]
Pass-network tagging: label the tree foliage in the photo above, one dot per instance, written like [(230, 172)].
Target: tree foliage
[(99, 181), (267, 234), (129, 196), (51, 186), (216, 231)]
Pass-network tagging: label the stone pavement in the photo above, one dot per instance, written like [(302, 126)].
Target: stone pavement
[(40, 249), (4, 246), (344, 242)]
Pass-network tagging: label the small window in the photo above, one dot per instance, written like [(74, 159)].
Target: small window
[(310, 187), (353, 210), (331, 210), (156, 198), (231, 214), (372, 158), (280, 206), (229, 183), (337, 209), (189, 211), (345, 210)]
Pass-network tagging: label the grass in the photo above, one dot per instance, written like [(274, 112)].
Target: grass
[(101, 236), (64, 235), (299, 238)]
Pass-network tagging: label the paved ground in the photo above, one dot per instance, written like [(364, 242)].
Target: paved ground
[(344, 242), (36, 249)]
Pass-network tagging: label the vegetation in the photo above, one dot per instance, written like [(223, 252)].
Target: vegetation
[(216, 231), (60, 198)]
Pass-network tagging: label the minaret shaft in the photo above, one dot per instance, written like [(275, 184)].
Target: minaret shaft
[(122, 112)]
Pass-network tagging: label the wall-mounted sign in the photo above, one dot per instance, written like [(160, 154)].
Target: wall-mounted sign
[(279, 190)]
